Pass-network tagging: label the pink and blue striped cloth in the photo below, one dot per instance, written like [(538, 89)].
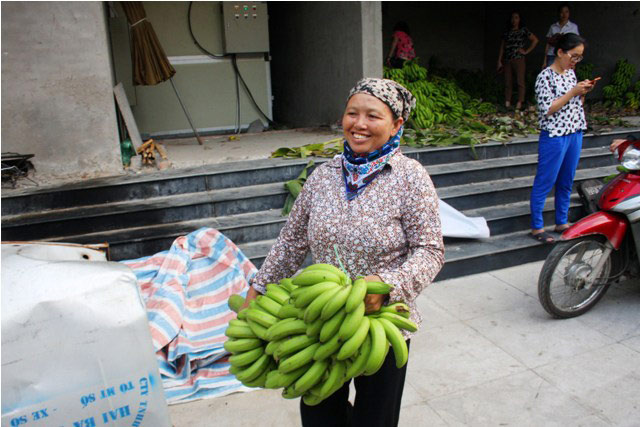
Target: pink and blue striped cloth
[(186, 290)]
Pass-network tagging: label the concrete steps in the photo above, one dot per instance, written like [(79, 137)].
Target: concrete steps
[(142, 215)]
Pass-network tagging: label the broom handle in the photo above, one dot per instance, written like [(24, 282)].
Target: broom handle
[(186, 113)]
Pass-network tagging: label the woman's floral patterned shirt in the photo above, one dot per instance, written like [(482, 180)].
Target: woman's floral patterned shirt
[(392, 229)]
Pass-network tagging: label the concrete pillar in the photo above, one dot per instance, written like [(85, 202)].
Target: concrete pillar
[(372, 54), (319, 50), (57, 99)]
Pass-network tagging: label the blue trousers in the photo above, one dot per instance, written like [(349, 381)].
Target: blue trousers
[(557, 162)]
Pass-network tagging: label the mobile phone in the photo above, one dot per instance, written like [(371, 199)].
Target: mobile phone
[(595, 80)]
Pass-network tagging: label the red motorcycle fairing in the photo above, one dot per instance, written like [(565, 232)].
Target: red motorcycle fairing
[(610, 225), (621, 188)]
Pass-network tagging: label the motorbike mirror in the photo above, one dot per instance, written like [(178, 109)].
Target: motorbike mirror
[(626, 144)]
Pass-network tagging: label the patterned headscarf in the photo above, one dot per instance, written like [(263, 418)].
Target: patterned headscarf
[(396, 96)]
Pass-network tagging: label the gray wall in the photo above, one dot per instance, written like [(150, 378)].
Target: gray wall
[(317, 56), (57, 99), (452, 31)]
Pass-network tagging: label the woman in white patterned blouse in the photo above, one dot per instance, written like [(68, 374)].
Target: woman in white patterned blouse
[(560, 99)]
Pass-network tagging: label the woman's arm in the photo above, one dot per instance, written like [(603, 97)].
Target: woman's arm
[(544, 61), (580, 89), (290, 249), (394, 44), (500, 53), (534, 43), (422, 228)]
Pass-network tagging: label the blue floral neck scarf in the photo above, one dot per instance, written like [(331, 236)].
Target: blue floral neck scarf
[(359, 171)]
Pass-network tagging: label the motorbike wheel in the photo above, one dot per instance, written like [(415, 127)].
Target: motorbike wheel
[(561, 287)]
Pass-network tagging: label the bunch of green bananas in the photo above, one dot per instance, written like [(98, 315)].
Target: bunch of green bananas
[(615, 94), (438, 100), (310, 334)]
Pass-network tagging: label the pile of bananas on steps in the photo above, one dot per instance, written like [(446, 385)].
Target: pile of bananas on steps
[(310, 334), (438, 100)]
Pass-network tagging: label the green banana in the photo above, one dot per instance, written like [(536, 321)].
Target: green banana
[(309, 278), (269, 305), (310, 293), (237, 322), (334, 380), (379, 288), (358, 292), (261, 317), (285, 328), (311, 399), (271, 348), (261, 380), (255, 370), (247, 357), (336, 303), (242, 315), (299, 359), (287, 284), (332, 326), (242, 344), (314, 309), (399, 308), (294, 344), (351, 346), (288, 310), (351, 322), (273, 380), (398, 343), (277, 293), (379, 347), (359, 363), (327, 267), (258, 329), (285, 380), (399, 321), (312, 376), (240, 332), (313, 329), (290, 393), (327, 349), (235, 302)]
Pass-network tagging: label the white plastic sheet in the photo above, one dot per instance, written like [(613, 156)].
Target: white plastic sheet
[(456, 224), (76, 346)]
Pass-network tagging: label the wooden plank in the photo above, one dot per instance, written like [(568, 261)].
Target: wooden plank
[(127, 115)]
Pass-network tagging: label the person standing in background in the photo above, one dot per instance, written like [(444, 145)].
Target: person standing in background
[(513, 50), (401, 46), (563, 26)]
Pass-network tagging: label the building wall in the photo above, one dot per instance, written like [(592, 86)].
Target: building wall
[(317, 51), (206, 85), (57, 99), (453, 32)]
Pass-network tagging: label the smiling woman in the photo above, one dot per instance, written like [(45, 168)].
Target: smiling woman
[(378, 211)]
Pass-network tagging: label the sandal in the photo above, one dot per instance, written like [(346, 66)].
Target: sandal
[(543, 237), (562, 228)]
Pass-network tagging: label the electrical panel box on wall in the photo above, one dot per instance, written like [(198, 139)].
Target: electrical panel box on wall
[(246, 27)]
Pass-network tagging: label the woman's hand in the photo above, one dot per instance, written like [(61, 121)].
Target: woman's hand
[(582, 88), (615, 144), (521, 51), (251, 295), (373, 302), (499, 66)]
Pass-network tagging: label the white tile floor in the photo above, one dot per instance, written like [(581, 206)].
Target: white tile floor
[(489, 355)]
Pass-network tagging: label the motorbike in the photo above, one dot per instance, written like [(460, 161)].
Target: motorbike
[(598, 249)]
